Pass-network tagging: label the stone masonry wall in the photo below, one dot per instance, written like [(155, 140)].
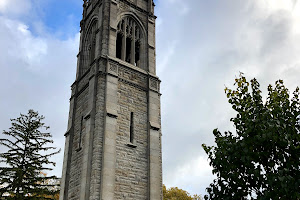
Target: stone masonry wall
[(76, 162), (132, 177), (160, 142), (132, 163), (98, 141)]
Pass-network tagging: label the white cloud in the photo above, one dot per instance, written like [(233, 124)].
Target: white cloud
[(32, 49), (197, 171), (214, 41), (291, 6), (181, 6), (201, 46), (37, 73), (14, 7), (277, 5), (167, 55)]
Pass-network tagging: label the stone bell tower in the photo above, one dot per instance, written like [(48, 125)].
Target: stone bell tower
[(113, 140)]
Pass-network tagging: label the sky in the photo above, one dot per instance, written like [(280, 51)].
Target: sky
[(201, 47)]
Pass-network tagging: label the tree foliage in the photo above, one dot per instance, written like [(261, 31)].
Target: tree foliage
[(261, 160), (174, 193), (27, 156), (53, 185)]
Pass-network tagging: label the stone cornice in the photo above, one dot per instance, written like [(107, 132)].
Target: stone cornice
[(132, 67), (111, 113), (155, 126), (133, 84), (124, 64)]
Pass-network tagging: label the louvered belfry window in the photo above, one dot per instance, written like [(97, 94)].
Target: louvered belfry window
[(128, 46), (89, 46)]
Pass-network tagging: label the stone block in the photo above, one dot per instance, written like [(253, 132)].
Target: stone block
[(106, 167)]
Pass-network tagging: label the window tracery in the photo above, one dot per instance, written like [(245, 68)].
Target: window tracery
[(128, 45), (89, 47)]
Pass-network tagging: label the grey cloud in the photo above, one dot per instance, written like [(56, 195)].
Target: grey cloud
[(197, 54), (41, 82), (214, 41)]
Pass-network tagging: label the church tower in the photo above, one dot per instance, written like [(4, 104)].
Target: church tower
[(113, 140)]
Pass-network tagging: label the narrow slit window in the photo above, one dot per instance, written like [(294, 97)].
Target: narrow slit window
[(80, 134), (131, 128)]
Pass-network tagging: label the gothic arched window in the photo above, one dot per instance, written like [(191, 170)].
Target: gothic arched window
[(128, 45), (89, 46)]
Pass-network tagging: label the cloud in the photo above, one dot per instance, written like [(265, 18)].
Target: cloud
[(14, 7), (214, 42), (16, 36), (197, 171), (37, 73), (201, 47)]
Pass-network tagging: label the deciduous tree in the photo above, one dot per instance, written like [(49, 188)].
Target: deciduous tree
[(28, 152), (174, 193), (261, 159)]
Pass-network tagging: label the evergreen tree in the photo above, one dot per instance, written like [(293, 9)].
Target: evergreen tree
[(262, 159), (27, 144)]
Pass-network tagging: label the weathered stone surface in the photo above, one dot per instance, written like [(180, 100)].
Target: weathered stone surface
[(132, 163), (76, 160), (98, 141), (113, 142)]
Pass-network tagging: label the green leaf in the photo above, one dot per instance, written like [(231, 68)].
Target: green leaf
[(262, 157)]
